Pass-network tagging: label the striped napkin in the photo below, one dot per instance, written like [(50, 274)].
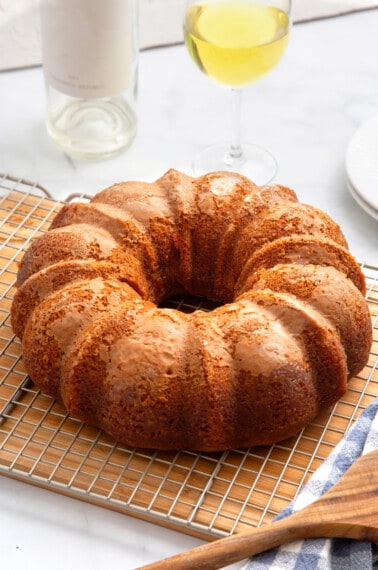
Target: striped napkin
[(328, 554)]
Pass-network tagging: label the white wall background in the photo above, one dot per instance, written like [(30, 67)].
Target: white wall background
[(159, 23)]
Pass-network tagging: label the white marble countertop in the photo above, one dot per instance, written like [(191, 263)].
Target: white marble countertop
[(306, 112)]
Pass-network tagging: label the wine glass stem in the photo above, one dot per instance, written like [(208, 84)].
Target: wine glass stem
[(235, 152)]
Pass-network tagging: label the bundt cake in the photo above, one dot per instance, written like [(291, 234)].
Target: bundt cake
[(289, 327)]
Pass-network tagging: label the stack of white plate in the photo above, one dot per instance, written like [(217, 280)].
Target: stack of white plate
[(362, 166)]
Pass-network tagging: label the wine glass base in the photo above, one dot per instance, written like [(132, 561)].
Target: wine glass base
[(255, 162)]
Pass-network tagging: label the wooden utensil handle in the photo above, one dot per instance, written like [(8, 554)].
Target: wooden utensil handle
[(348, 509), (236, 547)]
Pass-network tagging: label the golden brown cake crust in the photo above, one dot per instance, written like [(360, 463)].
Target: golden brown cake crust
[(291, 327)]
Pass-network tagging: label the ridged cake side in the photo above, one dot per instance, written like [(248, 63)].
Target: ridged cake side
[(293, 324)]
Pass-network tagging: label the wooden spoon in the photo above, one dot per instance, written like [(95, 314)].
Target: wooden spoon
[(348, 510)]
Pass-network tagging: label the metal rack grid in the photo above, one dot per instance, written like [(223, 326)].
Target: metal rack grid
[(203, 494)]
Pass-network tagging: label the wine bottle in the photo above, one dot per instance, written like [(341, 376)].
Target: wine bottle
[(90, 63)]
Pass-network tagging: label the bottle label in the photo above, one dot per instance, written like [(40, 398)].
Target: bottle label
[(89, 47)]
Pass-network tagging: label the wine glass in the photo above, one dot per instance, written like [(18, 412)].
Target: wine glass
[(235, 42)]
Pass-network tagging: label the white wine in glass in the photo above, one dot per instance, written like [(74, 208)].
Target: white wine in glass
[(235, 42)]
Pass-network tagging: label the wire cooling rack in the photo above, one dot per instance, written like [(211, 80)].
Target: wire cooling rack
[(204, 494)]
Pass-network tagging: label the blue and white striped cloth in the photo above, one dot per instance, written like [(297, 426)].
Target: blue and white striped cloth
[(328, 554)]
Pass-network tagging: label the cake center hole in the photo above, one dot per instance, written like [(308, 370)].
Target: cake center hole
[(189, 303)]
